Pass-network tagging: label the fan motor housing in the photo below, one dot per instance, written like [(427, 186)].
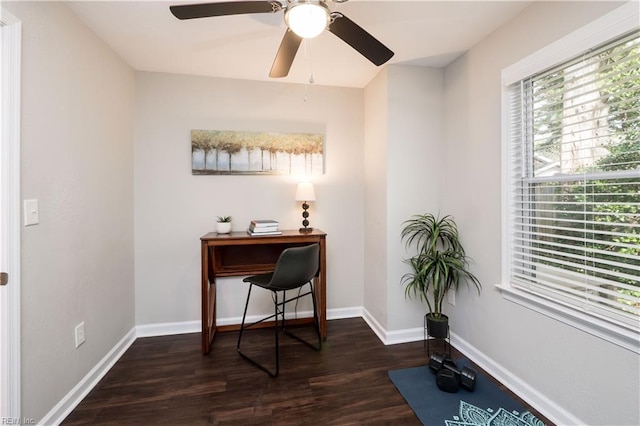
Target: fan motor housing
[(307, 18)]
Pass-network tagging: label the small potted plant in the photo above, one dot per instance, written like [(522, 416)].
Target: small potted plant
[(439, 265), (223, 224)]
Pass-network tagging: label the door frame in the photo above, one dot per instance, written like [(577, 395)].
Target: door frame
[(10, 391)]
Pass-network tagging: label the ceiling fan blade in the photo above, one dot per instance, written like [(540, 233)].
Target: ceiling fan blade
[(356, 37), (205, 10), (286, 53)]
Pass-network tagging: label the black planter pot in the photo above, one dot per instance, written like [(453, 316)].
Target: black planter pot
[(438, 327)]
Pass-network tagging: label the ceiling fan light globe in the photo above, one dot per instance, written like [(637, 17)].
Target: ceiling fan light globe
[(308, 19)]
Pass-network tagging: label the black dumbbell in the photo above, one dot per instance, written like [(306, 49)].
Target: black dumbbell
[(448, 377)]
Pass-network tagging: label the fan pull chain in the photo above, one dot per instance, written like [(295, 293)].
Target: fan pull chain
[(307, 57), (306, 87)]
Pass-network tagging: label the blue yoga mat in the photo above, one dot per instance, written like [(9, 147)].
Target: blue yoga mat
[(486, 405)]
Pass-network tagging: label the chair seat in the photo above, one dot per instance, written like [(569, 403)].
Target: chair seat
[(261, 280), (265, 281)]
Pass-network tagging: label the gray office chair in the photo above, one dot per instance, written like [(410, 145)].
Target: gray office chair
[(295, 268)]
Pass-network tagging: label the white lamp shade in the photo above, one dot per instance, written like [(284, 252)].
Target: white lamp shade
[(307, 18), (305, 192)]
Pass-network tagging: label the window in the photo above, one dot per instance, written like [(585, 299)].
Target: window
[(572, 200)]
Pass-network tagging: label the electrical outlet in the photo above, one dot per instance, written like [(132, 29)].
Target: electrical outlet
[(79, 334), (452, 298)]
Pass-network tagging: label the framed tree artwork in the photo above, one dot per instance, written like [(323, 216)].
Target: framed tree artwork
[(224, 152)]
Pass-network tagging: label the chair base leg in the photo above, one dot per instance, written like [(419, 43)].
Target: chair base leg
[(316, 324), (271, 373), (260, 366), (278, 313), (317, 347)]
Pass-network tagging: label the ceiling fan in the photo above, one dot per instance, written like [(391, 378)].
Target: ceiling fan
[(304, 19)]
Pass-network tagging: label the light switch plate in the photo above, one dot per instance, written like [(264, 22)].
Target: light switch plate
[(31, 212)]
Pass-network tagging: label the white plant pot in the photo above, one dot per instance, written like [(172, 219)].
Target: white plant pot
[(223, 227)]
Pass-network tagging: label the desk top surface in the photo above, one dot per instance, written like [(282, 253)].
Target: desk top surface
[(242, 235)]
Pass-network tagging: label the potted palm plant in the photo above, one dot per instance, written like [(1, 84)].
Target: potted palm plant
[(439, 265)]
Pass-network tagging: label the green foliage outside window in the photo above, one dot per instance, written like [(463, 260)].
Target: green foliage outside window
[(600, 210)]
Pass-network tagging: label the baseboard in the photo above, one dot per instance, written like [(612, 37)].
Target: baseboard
[(534, 398), (404, 336), (167, 328), (392, 337), (540, 402), (343, 313), (183, 327), (77, 394), (88, 382), (374, 325), (253, 318), (544, 405)]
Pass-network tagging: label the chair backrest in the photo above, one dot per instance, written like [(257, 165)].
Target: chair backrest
[(296, 266)]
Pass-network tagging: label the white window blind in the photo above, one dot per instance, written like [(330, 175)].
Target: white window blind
[(574, 170)]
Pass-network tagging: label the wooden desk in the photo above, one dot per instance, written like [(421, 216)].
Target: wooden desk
[(239, 254)]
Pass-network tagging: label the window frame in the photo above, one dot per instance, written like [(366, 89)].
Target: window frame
[(608, 27)]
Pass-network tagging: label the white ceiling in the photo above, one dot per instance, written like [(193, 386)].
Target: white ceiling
[(426, 33)]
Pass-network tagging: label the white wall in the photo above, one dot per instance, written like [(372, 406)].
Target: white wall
[(596, 381), (375, 212), (173, 208), (77, 160), (414, 170), (403, 151)]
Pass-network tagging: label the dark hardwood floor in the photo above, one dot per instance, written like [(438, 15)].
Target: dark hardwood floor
[(166, 380)]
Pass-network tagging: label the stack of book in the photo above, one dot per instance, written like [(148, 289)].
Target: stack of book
[(264, 227)]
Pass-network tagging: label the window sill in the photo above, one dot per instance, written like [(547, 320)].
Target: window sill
[(609, 331)]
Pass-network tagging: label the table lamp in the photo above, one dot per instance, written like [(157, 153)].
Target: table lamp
[(305, 193)]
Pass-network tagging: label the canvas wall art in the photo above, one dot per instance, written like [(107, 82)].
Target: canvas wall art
[(224, 152)]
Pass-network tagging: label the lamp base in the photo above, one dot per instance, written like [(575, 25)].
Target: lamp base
[(305, 230)]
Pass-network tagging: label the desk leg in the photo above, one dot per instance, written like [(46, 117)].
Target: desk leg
[(321, 290), (208, 297)]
